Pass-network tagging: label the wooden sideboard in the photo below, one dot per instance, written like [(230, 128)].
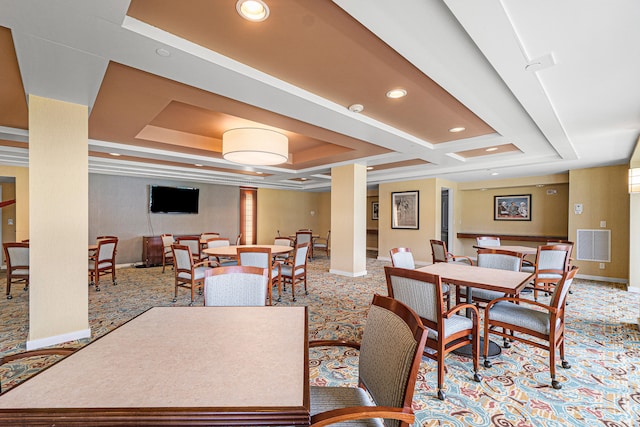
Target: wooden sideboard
[(152, 249)]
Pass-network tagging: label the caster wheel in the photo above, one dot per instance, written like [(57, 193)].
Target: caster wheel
[(507, 344), (487, 364), (566, 365), (9, 297), (306, 293), (279, 299), (555, 384), (191, 304), (174, 300), (97, 289), (477, 378), (294, 300), (441, 395)]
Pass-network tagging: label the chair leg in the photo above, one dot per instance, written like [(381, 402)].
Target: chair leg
[(441, 394), (175, 295), (9, 288), (279, 287)]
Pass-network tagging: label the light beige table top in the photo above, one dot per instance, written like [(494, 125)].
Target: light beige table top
[(233, 250), (509, 282), (183, 364), (526, 250)]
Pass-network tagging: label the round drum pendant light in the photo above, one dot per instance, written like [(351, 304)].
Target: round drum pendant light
[(255, 146)]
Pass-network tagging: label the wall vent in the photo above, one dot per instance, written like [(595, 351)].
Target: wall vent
[(593, 245)]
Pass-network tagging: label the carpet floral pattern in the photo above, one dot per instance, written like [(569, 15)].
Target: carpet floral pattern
[(602, 388)]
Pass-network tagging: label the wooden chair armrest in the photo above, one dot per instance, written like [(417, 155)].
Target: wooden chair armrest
[(362, 412), (334, 343), (455, 257), (459, 307), (32, 353), (205, 263), (518, 300)]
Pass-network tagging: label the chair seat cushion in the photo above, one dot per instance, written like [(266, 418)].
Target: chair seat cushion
[(485, 294), (20, 272), (528, 269), (550, 276), (328, 398), (452, 325), (286, 270), (520, 315)]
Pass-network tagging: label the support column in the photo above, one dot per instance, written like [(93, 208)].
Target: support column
[(58, 222), (349, 220)]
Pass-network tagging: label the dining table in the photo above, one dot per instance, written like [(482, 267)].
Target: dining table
[(525, 250), (232, 250), (177, 366), (505, 281)]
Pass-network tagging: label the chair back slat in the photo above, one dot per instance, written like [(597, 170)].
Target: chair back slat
[(421, 291), (300, 257), (183, 258), (500, 259), (16, 255), (438, 251), (487, 241), (402, 258), (193, 243)]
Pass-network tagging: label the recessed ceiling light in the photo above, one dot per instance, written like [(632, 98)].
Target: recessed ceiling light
[(259, 173), (356, 108), (491, 149), (253, 10), (303, 179), (494, 173), (458, 129), (369, 168), (115, 154), (396, 93), (163, 52), (197, 164)]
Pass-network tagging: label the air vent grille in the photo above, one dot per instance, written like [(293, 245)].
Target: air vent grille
[(593, 245)]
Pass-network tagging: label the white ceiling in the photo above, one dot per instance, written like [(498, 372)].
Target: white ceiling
[(558, 79)]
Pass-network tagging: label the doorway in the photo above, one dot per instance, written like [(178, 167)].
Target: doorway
[(446, 217)]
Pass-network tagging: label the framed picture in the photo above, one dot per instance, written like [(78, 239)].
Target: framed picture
[(404, 212), (512, 208), (374, 210)]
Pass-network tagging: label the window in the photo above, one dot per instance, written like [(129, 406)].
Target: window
[(248, 214)]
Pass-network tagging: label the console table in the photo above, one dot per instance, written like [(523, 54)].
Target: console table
[(152, 249)]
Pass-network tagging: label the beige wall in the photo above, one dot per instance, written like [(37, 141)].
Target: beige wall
[(288, 211), (549, 213), (603, 192), (8, 213), (429, 217)]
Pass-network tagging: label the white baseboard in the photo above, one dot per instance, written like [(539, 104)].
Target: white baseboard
[(348, 273), (58, 339), (602, 279)]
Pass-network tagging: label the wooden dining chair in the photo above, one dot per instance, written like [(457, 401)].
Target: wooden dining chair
[(188, 273), (552, 261), (533, 323), (499, 259), (282, 241), (236, 285), (390, 354), (448, 331), (17, 259), (167, 253), (294, 271), (103, 262), (261, 257), (219, 242), (486, 241), (322, 243), (439, 253), (194, 245), (305, 236)]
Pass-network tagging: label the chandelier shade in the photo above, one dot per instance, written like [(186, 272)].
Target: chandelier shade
[(255, 146)]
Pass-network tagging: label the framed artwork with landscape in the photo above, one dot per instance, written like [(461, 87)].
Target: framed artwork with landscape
[(512, 208), (405, 210)]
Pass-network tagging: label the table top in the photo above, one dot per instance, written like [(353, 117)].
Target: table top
[(509, 282), (232, 250), (526, 250), (181, 365)]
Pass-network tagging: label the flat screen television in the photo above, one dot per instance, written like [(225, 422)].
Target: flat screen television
[(173, 199)]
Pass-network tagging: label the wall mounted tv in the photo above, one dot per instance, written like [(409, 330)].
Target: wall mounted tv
[(173, 199)]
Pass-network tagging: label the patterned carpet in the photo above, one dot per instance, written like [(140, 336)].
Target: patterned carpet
[(603, 346)]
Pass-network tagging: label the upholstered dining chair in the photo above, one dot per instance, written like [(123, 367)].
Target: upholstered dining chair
[(305, 236), (294, 271), (448, 331), (390, 353), (40, 353), (194, 245), (103, 262), (322, 243), (491, 258), (486, 241), (282, 241), (403, 258), (236, 285), (189, 274), (17, 258), (167, 253), (209, 235), (261, 257), (528, 319), (552, 261), (219, 242), (440, 254)]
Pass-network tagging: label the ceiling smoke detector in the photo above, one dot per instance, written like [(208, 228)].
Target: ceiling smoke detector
[(356, 108)]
